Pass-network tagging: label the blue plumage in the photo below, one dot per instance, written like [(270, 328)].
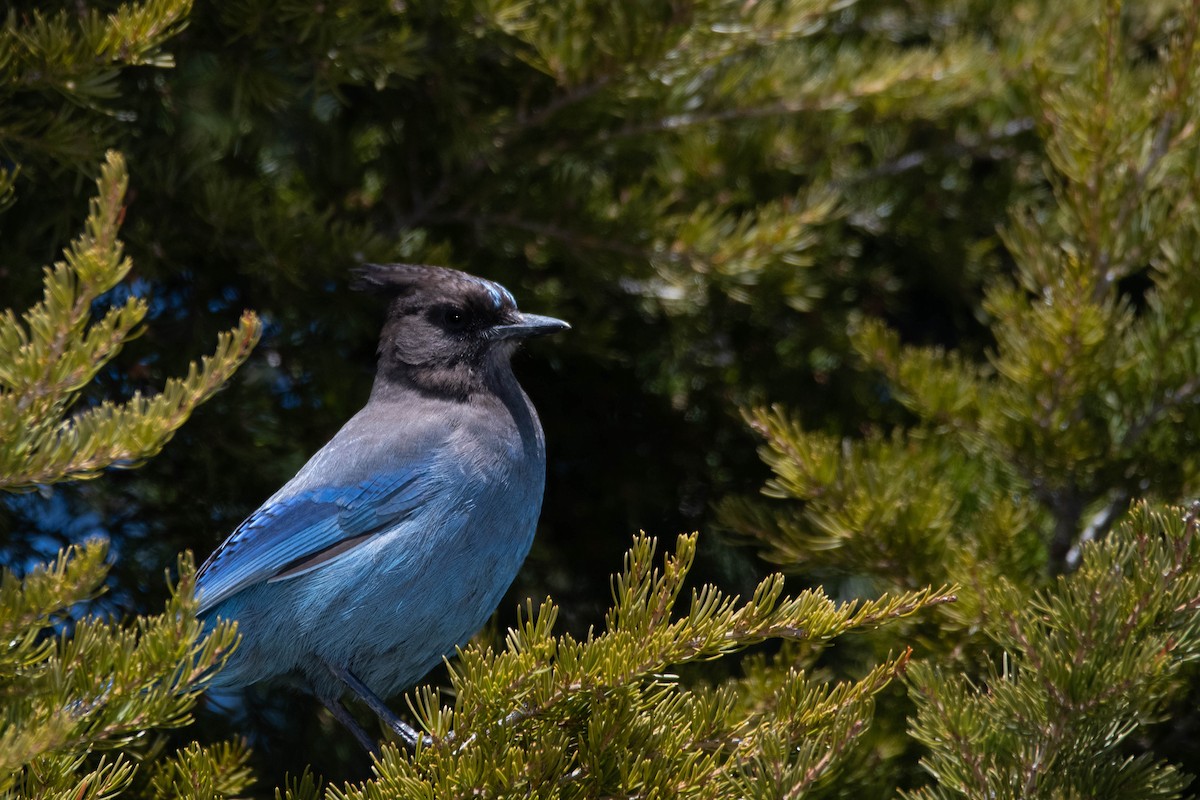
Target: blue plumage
[(398, 538), (295, 535)]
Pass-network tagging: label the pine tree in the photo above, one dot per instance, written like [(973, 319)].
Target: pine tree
[(55, 350), (83, 698), (81, 694), (552, 716), (737, 203), (1016, 467), (59, 75), (1087, 662)]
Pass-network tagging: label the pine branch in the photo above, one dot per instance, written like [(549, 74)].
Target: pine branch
[(49, 356), (102, 686), (59, 73), (35, 602), (199, 773), (571, 716), (1088, 663)]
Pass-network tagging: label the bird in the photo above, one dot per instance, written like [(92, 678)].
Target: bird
[(396, 541)]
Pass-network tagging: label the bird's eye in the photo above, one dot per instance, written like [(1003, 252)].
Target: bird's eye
[(452, 318)]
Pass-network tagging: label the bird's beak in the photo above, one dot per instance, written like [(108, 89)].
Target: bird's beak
[(527, 325)]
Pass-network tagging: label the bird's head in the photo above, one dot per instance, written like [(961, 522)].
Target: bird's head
[(446, 331)]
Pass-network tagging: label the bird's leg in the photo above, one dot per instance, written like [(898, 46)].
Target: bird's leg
[(405, 731), (351, 724)]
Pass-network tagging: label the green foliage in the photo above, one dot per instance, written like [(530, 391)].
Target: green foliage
[(55, 350), (1085, 400), (59, 76), (83, 697), (1087, 396), (553, 716), (8, 181), (198, 773), (709, 191), (1015, 463), (911, 509), (1087, 662)]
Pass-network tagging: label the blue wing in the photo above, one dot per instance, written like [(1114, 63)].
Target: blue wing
[(300, 533)]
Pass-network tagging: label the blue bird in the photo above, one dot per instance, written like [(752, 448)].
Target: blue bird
[(395, 542)]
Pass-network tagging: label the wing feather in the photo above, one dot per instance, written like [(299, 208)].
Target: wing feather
[(297, 534)]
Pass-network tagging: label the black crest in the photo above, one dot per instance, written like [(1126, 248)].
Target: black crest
[(397, 279), (402, 280)]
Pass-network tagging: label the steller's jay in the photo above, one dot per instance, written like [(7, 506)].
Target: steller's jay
[(396, 541)]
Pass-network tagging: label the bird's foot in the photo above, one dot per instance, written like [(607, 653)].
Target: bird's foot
[(407, 734)]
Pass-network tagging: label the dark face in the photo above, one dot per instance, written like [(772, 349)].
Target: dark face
[(448, 325), (448, 332), (444, 331)]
